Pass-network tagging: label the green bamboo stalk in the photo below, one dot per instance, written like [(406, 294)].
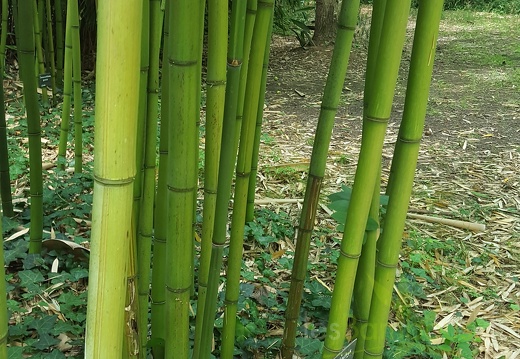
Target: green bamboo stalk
[(251, 192), (114, 170), (5, 184), (197, 139), (39, 49), (378, 14), (145, 229), (216, 92), (259, 44), (184, 76), (143, 97), (40, 5), (3, 34), (248, 34), (364, 282), (158, 293), (403, 166), (365, 276), (58, 13), (4, 318), (50, 40), (67, 92), (227, 157), (26, 45), (76, 78), (347, 20), (16, 33), (375, 119)]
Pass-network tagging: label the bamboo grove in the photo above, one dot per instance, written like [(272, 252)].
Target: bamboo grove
[(144, 235)]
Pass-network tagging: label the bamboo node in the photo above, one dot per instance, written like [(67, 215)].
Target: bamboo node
[(346, 27), (372, 354), (386, 265), (180, 190), (334, 351), (376, 119), (161, 302), (230, 302), (348, 255), (179, 63), (177, 290), (113, 183), (328, 108)]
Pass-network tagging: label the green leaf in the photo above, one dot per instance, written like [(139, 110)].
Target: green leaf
[(372, 225), (64, 327), (15, 352), (78, 273), (429, 319), (322, 301), (344, 194), (18, 251), (308, 346), (340, 205), (340, 217), (45, 341), (316, 287), (45, 324), (55, 354), (30, 279)]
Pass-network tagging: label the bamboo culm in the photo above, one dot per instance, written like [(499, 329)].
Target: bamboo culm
[(402, 172), (259, 45), (26, 49), (375, 119), (333, 88), (117, 78), (5, 181), (184, 63)]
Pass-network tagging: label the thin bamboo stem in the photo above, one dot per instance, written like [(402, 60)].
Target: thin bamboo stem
[(251, 192), (227, 158), (39, 50), (145, 229), (259, 45), (347, 20), (26, 48), (216, 92), (403, 171), (248, 34), (67, 91), (375, 119), (364, 284), (184, 76), (76, 78), (4, 318), (58, 13), (158, 293), (5, 181), (50, 40)]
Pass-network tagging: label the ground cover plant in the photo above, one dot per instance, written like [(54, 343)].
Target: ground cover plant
[(456, 293)]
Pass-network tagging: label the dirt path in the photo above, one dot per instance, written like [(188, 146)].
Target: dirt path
[(469, 166)]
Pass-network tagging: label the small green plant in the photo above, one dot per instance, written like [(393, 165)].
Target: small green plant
[(48, 306), (290, 17), (339, 203)]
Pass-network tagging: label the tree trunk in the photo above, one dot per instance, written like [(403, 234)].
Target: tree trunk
[(326, 21)]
